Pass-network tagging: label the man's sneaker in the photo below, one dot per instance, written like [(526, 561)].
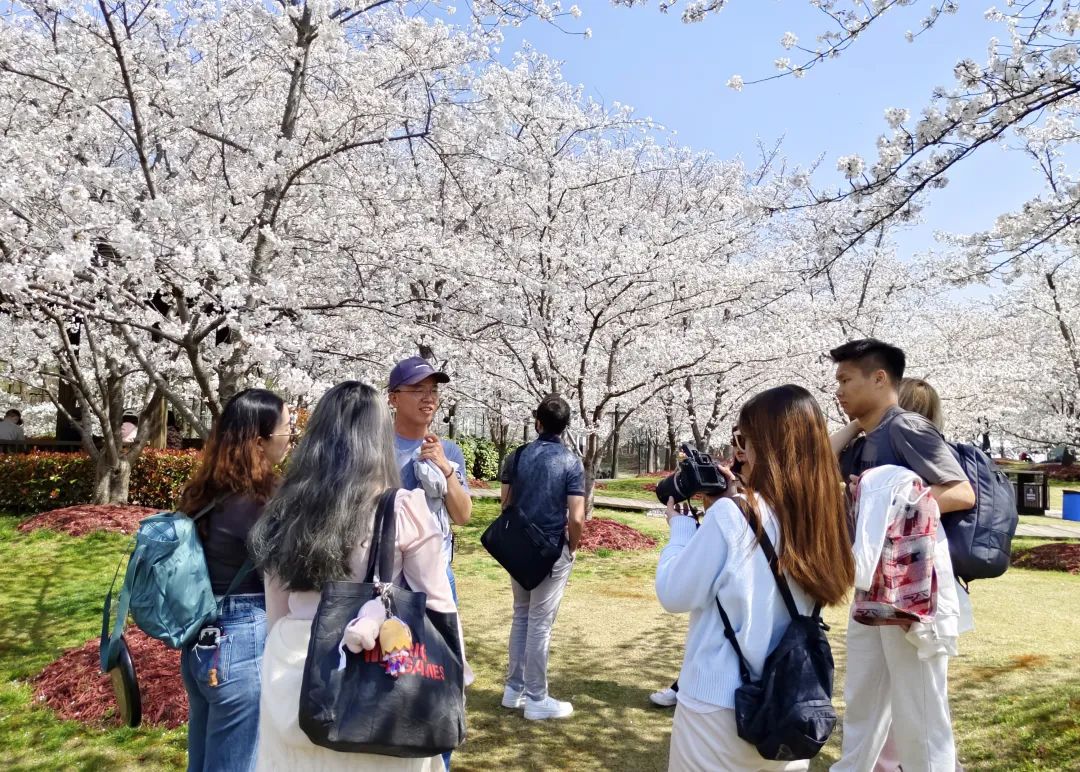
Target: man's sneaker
[(665, 698), (512, 699), (549, 707)]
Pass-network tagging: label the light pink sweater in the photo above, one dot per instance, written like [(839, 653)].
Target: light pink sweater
[(418, 559)]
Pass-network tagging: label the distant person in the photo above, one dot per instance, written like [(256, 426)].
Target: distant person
[(890, 686), (547, 483), (221, 669), (129, 427), (11, 429), (174, 438)]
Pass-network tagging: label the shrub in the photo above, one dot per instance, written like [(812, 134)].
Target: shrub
[(481, 457), (1060, 473), (33, 482), (159, 475), (486, 463), (468, 449)]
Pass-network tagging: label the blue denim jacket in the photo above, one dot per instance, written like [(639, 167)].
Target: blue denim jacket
[(547, 473)]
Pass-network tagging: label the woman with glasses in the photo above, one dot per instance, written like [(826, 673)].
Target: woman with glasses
[(793, 487), (221, 671)]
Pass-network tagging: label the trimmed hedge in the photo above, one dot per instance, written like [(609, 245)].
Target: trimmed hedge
[(1059, 473), (40, 481), (35, 482), (159, 476)]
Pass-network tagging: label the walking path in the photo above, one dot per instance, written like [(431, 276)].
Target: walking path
[(608, 502), (1049, 527)]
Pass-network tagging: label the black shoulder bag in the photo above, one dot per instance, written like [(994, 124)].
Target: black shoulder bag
[(351, 702), (788, 713), (520, 545)]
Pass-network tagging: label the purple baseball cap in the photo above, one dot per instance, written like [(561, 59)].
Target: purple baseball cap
[(413, 370)]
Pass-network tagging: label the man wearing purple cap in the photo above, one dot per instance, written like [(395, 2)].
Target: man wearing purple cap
[(437, 466)]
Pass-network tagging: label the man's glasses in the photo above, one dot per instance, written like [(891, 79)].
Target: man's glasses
[(419, 393)]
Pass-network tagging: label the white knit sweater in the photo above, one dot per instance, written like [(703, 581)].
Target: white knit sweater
[(722, 559)]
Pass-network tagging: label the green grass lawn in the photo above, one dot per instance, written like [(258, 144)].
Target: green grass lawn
[(1054, 493), (1015, 689), (629, 488)]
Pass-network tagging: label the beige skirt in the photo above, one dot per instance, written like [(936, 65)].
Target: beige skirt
[(282, 743), (709, 742)]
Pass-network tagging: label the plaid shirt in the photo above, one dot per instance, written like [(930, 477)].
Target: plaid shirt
[(904, 587)]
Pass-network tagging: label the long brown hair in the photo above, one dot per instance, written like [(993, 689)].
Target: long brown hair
[(232, 461), (795, 471)]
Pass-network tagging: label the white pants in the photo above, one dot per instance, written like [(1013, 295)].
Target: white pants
[(887, 684), (709, 742)]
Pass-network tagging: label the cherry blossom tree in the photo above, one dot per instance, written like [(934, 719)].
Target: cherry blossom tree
[(231, 180)]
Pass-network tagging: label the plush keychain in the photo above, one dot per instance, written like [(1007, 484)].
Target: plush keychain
[(395, 640), (362, 632)]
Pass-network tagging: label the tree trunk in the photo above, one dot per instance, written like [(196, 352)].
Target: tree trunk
[(157, 414), (451, 413), (111, 483), (594, 450), (615, 446)]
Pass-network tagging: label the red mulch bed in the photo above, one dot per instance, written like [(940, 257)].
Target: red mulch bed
[(477, 483), (73, 687), (1051, 557), (601, 533), (86, 518)]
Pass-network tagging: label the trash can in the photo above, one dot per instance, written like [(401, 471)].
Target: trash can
[(1070, 506), (1031, 491)]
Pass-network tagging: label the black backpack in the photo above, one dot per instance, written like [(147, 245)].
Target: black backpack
[(788, 713), (980, 538)]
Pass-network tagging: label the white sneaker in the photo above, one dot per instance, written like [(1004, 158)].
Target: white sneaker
[(512, 699), (549, 707), (665, 698)]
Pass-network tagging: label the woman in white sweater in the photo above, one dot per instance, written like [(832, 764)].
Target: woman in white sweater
[(318, 528), (794, 486)]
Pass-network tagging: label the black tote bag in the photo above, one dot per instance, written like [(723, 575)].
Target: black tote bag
[(519, 545), (361, 708)]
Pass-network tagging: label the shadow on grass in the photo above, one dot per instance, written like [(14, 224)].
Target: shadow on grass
[(613, 726), (1023, 715), (54, 588)]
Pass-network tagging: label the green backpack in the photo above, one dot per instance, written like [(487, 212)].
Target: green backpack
[(166, 587)]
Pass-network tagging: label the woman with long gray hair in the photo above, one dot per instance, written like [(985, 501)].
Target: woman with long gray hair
[(318, 529)]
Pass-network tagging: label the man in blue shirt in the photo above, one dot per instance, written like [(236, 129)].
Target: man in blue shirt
[(437, 466), (547, 482)]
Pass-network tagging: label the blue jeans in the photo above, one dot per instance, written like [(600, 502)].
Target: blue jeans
[(453, 592), (453, 582), (222, 685)]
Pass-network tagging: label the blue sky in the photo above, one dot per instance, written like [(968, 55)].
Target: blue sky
[(675, 73)]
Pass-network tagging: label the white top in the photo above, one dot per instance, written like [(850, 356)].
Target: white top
[(722, 559), (11, 431), (883, 493)]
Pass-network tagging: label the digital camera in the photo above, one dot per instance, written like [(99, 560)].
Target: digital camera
[(697, 473)]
